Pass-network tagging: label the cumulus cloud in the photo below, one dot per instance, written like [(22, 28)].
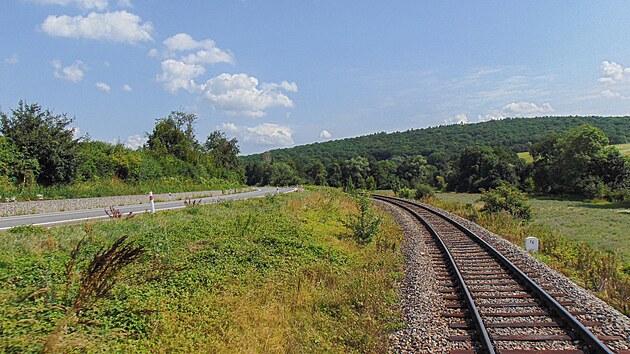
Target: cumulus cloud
[(240, 94), (12, 60), (325, 134), (205, 51), (178, 75), (179, 72), (263, 134), (518, 109), (84, 4), (118, 27), (614, 73), (103, 87), (127, 88), (460, 118), (74, 72), (135, 141), (527, 108), (235, 94)]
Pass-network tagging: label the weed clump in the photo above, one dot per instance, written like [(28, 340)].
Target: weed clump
[(96, 281), (364, 224)]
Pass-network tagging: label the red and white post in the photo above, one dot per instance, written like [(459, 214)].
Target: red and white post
[(151, 202)]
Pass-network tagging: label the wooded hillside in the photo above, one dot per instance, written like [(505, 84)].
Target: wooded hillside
[(514, 134)]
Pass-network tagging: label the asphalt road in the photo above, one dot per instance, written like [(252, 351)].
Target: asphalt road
[(64, 217)]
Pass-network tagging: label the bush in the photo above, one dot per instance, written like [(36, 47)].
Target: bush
[(506, 198), (404, 193), (365, 224), (423, 191)]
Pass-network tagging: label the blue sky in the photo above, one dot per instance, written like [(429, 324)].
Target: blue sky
[(283, 73)]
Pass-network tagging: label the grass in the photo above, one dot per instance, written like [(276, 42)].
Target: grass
[(624, 149), (603, 225), (587, 241), (269, 275), (114, 187)]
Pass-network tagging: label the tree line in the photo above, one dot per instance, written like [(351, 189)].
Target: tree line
[(38, 147), (576, 162)]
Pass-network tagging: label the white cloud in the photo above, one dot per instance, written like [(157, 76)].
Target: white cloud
[(263, 134), (76, 132), (518, 109), (125, 3), (103, 87), (84, 4), (206, 50), (610, 94), (240, 94), (153, 52), (135, 141), (460, 118), (127, 88), (614, 73), (325, 134), (118, 26), (74, 72), (12, 60), (179, 75), (527, 108), (494, 115)]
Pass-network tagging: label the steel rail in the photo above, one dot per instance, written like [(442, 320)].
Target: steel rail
[(470, 302), (590, 340)]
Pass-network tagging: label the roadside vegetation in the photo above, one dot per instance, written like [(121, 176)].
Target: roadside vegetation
[(278, 274), (40, 157)]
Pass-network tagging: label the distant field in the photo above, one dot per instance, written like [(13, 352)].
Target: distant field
[(603, 225), (623, 148)]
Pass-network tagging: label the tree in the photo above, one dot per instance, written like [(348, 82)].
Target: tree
[(224, 152), (579, 162), (175, 135), (283, 175), (46, 138), (482, 167)]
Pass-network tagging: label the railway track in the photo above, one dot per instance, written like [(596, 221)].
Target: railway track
[(495, 305)]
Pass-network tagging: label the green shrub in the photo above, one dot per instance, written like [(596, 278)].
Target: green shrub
[(423, 191), (404, 193), (506, 198), (365, 224)]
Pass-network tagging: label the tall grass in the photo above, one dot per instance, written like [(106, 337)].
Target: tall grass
[(267, 275), (597, 270)]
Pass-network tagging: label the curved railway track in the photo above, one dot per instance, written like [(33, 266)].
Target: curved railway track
[(494, 304)]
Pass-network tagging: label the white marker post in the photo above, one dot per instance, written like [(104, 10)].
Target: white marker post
[(151, 201), (531, 244)]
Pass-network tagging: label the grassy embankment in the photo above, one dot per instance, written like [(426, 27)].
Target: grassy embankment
[(115, 187), (587, 241), (265, 275)]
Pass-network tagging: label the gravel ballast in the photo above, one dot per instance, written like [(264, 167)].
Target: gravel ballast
[(427, 330)]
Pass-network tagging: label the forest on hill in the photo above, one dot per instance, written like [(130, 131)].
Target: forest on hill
[(513, 134), (571, 156)]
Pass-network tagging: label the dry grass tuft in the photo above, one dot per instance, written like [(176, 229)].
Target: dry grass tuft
[(96, 282)]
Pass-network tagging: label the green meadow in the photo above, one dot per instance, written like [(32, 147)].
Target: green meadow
[(277, 274)]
